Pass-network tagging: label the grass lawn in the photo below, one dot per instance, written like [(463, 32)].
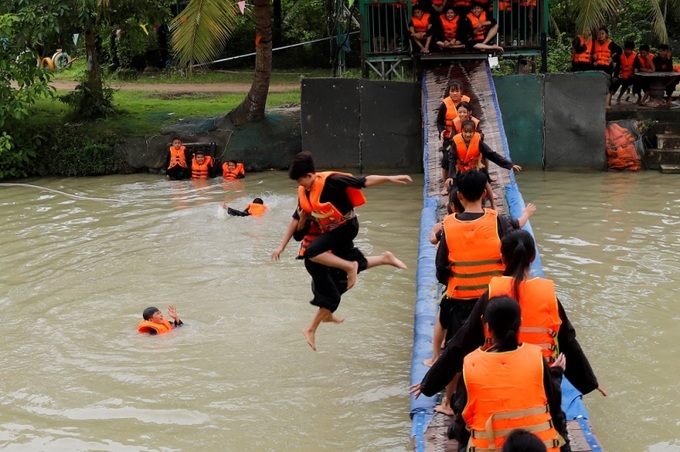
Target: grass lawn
[(146, 112), (77, 71)]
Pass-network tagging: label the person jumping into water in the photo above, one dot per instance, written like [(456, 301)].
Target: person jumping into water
[(328, 199)]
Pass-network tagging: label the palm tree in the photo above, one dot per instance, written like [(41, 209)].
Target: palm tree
[(594, 13), (200, 33)]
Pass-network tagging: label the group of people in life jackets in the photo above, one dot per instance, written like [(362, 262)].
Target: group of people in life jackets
[(183, 164), (460, 24), (622, 65), (508, 340)]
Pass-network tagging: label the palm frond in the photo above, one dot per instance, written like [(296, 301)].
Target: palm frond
[(658, 21), (200, 32), (593, 13)]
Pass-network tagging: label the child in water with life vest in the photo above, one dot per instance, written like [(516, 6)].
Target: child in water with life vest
[(468, 152), (255, 209), (232, 170), (177, 161), (154, 323), (328, 199), (202, 166)]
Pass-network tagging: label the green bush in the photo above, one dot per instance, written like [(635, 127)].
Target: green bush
[(67, 151), (559, 53), (90, 104), (73, 151)]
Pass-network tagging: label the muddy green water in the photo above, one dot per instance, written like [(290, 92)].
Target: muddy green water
[(76, 274)]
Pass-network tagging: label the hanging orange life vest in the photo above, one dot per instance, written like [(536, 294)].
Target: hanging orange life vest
[(460, 4), (601, 53), (450, 27), (421, 25), (585, 56), (468, 156), (325, 214), (146, 326), (438, 2), (505, 392), (474, 254), (540, 314), (177, 157), (627, 62), (199, 171), (458, 124), (480, 33), (255, 209), (228, 174), (311, 235)]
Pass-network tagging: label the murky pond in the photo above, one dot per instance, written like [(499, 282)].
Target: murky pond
[(75, 275)]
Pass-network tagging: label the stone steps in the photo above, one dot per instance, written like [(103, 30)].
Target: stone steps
[(668, 141), (655, 158), (670, 169)]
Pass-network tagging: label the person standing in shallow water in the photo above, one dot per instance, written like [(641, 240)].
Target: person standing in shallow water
[(328, 199)]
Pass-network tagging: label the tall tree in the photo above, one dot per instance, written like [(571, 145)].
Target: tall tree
[(25, 26), (91, 99), (200, 33)]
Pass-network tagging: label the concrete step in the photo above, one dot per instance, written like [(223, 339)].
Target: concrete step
[(657, 157), (668, 141), (670, 169)]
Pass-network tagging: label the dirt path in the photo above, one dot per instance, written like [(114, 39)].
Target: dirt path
[(237, 88)]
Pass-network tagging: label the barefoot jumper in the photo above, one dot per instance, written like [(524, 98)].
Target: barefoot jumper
[(328, 199)]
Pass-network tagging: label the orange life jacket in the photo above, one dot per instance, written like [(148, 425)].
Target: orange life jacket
[(626, 68), (451, 114), (177, 157), (201, 171), (504, 5), (232, 174), (325, 214), (438, 2), (458, 123), (601, 53), (462, 4), (145, 326), (505, 391), (313, 232), (450, 27), (540, 314), (420, 25), (585, 56), (646, 63), (480, 33), (255, 209), (474, 254), (468, 156)]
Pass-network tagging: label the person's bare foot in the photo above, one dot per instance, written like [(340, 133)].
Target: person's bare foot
[(334, 319), (309, 335), (392, 260), (444, 408), (429, 361), (352, 275)]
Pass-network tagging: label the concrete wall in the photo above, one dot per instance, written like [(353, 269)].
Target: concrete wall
[(556, 121), (362, 124)]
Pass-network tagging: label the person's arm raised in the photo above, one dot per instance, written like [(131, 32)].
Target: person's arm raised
[(377, 180)]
